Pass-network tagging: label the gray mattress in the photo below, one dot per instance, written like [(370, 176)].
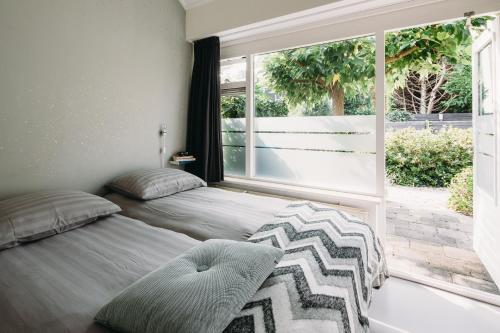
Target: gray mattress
[(205, 212), (59, 283)]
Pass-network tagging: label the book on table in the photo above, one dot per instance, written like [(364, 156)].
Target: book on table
[(184, 158)]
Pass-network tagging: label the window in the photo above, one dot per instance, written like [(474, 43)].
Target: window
[(485, 74), (233, 108), (314, 117)]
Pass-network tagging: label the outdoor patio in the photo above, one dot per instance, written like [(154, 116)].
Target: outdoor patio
[(426, 238)]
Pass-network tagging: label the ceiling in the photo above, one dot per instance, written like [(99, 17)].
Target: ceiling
[(193, 3)]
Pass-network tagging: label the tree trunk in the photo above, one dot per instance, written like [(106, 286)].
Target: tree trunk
[(435, 89), (423, 96), (337, 96)]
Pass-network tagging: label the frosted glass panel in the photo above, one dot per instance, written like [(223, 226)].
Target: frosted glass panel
[(314, 119), (233, 144), (234, 161), (329, 152)]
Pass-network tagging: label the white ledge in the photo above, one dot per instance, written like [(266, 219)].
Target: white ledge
[(321, 195)]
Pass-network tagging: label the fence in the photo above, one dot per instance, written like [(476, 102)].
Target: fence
[(329, 152), (433, 121)]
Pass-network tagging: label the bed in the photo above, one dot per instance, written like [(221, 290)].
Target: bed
[(204, 212), (59, 283), (67, 254)]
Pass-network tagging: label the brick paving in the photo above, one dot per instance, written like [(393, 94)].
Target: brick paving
[(426, 238)]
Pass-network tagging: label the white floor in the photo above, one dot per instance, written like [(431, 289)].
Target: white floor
[(406, 307)]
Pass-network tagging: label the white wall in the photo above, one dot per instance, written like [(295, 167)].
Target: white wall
[(84, 87)]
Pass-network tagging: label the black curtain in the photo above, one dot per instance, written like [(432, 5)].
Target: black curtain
[(204, 139)]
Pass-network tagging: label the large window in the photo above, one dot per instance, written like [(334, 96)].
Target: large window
[(313, 120)]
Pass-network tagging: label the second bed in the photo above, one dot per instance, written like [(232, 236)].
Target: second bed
[(204, 212)]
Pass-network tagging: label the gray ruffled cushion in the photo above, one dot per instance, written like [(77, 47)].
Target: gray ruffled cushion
[(154, 183), (199, 291)]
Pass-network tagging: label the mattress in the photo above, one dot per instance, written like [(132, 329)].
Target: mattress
[(59, 283), (205, 213)]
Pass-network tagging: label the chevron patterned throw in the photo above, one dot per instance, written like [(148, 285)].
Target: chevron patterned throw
[(324, 282)]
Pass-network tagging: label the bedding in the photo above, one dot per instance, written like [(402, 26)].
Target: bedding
[(58, 284), (202, 290), (154, 183), (324, 281), (205, 212), (37, 215)]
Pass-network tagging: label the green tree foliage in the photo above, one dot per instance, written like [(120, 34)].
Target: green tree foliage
[(424, 49), (306, 75), (265, 105), (359, 104), (459, 88), (345, 69), (420, 60), (269, 106), (233, 106)]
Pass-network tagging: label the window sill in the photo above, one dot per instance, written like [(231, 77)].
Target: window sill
[(327, 196)]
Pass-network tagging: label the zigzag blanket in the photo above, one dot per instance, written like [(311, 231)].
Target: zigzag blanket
[(324, 282)]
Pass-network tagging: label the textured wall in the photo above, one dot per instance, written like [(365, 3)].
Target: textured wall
[(84, 87)]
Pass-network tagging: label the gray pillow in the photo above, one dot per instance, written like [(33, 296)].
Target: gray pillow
[(38, 215), (199, 291), (154, 183)]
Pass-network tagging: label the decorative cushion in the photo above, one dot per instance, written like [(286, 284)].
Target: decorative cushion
[(199, 291), (154, 183), (37, 215)]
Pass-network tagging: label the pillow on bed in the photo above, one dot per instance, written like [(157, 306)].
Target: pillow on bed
[(199, 291), (38, 215), (155, 183)]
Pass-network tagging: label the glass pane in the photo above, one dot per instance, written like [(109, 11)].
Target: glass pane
[(315, 115), (485, 72), (233, 70), (233, 110)]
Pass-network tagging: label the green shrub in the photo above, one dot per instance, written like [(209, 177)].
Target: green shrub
[(398, 115), (423, 158), (461, 192)]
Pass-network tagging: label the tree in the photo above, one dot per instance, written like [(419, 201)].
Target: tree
[(422, 95), (459, 88), (306, 75), (427, 54), (420, 60)]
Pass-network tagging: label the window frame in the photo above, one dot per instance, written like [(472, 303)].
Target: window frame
[(250, 161)]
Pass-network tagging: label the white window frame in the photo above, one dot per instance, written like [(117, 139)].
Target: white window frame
[(250, 112), (373, 203)]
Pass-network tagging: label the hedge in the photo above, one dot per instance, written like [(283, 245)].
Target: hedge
[(423, 158), (461, 192), (398, 115)]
